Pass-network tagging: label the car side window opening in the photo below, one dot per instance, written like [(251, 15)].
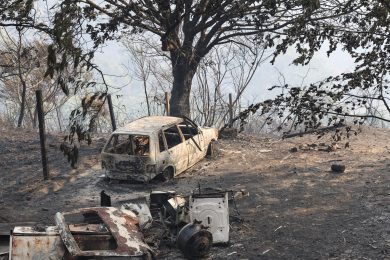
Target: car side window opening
[(161, 142), (128, 144), (172, 136), (188, 130)]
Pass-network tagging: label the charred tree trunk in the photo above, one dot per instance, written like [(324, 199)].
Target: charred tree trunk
[(59, 118), (23, 103), (183, 72), (146, 96), (35, 118), (22, 81)]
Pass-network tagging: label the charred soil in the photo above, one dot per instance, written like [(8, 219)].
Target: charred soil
[(292, 205)]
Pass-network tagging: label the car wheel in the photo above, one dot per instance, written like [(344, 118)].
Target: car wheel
[(212, 150), (167, 174)]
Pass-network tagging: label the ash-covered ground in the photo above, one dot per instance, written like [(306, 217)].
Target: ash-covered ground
[(296, 208)]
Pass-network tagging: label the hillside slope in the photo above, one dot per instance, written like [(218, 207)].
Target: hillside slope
[(296, 208)]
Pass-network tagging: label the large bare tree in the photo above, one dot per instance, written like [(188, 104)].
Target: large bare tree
[(226, 69), (188, 29), (22, 71)]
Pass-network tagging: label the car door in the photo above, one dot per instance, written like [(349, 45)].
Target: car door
[(177, 148), (194, 140)]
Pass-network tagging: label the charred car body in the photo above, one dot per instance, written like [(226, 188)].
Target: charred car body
[(156, 146)]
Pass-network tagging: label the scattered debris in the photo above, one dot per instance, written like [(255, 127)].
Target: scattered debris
[(125, 239), (278, 228), (314, 131), (266, 251), (265, 151), (91, 232), (329, 148), (141, 209), (194, 223), (228, 133), (105, 200), (204, 210), (285, 158), (241, 193), (174, 209), (29, 243), (338, 168), (158, 198), (316, 147)]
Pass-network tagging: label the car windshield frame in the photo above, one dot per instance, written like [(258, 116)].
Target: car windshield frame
[(132, 144)]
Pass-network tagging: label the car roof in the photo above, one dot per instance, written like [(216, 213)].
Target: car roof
[(148, 124)]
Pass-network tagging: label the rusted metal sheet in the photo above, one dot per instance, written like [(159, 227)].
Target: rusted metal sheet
[(140, 207), (28, 243), (127, 240), (88, 229)]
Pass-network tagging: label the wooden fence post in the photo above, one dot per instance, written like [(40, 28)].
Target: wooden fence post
[(230, 110), (167, 107), (42, 137), (59, 118), (112, 115)]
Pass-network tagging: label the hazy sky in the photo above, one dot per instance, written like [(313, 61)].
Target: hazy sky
[(113, 58)]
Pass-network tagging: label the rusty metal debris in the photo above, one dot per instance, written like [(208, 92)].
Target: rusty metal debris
[(127, 240), (194, 223), (30, 243), (102, 232), (141, 209), (204, 215), (158, 198), (174, 210)]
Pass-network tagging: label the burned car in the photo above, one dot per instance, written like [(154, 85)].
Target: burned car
[(156, 146)]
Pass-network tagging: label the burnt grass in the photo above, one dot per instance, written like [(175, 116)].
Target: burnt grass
[(293, 206)]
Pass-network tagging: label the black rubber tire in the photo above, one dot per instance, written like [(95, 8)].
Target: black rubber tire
[(212, 150), (167, 174)]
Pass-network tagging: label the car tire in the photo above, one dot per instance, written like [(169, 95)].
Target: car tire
[(212, 150), (167, 174)]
